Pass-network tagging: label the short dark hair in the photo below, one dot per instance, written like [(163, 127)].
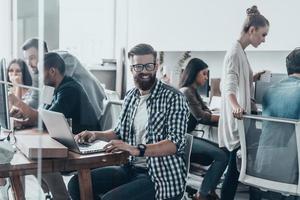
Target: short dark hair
[(142, 49), (33, 42), (26, 77), (293, 62), (191, 71), (255, 19), (54, 60)]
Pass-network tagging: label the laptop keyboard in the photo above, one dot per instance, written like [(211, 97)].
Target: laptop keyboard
[(92, 147), (84, 144)]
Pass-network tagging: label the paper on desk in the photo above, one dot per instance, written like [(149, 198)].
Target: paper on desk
[(215, 103), (47, 94), (266, 77)]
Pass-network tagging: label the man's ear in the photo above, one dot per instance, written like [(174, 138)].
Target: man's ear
[(156, 66), (52, 70)]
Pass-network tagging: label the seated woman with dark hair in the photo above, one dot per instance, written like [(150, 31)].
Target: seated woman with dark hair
[(195, 75), (17, 73)]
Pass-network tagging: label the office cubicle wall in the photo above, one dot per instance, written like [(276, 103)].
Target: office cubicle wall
[(270, 153)]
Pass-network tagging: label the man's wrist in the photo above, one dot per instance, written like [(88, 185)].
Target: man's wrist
[(135, 151)]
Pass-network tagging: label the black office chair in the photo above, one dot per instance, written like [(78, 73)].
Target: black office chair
[(195, 168)]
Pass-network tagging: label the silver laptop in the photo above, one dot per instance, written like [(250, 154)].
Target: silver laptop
[(59, 130)]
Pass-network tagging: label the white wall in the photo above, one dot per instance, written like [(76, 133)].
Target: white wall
[(5, 33), (96, 29), (28, 22), (87, 29), (209, 25)]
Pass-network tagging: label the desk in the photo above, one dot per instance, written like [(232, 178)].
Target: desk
[(21, 165)]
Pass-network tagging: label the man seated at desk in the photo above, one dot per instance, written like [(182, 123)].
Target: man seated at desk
[(277, 139), (152, 128), (68, 98), (73, 68)]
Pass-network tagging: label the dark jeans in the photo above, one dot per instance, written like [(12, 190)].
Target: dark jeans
[(118, 182), (206, 153), (231, 178)]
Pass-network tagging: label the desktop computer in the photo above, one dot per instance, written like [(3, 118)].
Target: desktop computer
[(4, 108)]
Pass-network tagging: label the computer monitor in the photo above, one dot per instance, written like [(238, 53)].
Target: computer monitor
[(204, 90), (4, 111), (261, 87)]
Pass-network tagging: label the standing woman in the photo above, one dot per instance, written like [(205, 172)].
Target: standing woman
[(203, 151), (237, 89)]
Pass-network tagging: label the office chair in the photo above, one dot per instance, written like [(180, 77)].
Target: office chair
[(112, 110), (196, 170), (270, 150), (187, 156)]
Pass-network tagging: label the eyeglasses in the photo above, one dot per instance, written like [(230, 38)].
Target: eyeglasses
[(140, 67)]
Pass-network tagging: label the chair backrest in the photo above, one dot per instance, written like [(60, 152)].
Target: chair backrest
[(111, 114), (270, 149), (192, 123), (86, 79), (188, 150), (112, 95)]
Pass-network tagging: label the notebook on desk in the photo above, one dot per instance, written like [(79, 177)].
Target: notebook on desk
[(59, 130)]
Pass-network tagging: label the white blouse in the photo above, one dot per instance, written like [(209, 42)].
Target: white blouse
[(237, 78)]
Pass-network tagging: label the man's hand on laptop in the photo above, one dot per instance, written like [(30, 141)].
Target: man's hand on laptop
[(85, 136)]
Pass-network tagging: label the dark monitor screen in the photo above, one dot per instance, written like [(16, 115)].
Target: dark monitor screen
[(4, 112), (204, 90), (261, 87)]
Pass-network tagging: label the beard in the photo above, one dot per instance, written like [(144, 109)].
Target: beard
[(49, 82), (143, 84)]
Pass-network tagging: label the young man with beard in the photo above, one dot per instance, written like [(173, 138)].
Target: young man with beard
[(152, 128)]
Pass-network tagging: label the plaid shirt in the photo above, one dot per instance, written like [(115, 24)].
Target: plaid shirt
[(168, 115)]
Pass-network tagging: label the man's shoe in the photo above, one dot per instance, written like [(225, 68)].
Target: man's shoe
[(213, 196), (198, 196)]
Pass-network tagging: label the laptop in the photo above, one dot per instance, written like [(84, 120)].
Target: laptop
[(59, 130)]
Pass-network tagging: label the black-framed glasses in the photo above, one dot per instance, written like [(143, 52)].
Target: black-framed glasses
[(140, 67)]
